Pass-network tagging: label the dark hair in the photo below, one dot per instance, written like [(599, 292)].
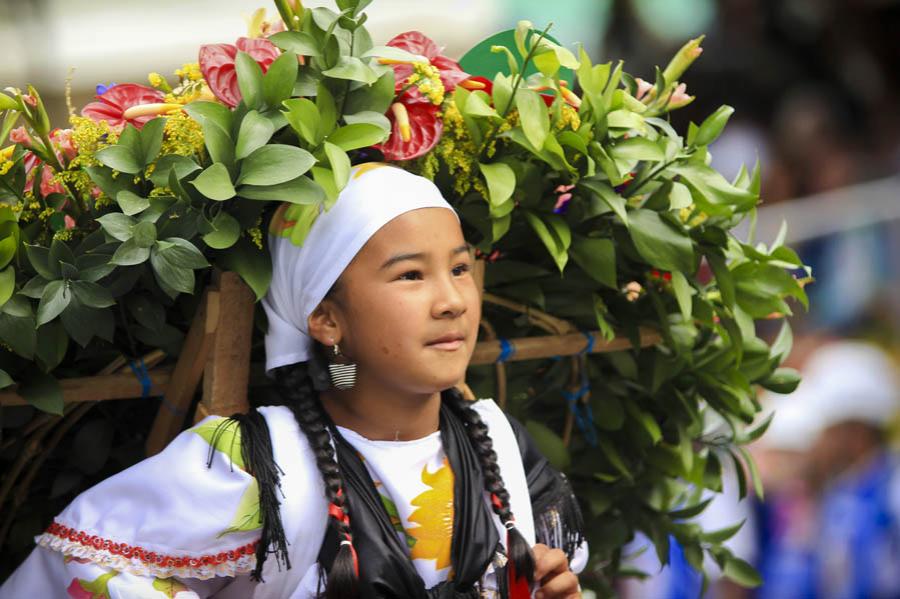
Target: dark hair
[(298, 385)]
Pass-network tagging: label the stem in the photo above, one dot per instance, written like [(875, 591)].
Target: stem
[(633, 190), (521, 74), (512, 97)]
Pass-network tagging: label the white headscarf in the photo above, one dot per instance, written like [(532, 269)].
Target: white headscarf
[(303, 270)]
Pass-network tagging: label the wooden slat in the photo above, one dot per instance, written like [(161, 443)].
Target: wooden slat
[(187, 374), (546, 346), (227, 370), (101, 387)]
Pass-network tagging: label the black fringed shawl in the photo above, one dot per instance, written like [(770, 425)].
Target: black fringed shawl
[(385, 568)]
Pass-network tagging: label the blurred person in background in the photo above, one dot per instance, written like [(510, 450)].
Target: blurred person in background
[(854, 389), (786, 518)]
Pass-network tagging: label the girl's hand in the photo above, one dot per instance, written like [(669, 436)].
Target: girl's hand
[(551, 569)]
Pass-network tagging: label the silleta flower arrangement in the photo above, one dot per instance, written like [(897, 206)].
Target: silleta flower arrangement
[(582, 198)]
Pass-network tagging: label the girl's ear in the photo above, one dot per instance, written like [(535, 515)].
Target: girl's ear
[(324, 326)]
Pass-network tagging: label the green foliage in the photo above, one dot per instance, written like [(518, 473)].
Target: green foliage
[(590, 204)]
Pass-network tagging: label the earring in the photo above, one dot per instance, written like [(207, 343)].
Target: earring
[(343, 375)]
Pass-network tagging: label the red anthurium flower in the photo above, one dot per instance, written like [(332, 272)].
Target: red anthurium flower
[(415, 129), (217, 65), (113, 103), (416, 42)]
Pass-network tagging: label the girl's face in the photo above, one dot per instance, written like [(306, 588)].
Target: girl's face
[(407, 308)]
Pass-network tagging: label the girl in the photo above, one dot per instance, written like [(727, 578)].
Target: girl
[(375, 479)]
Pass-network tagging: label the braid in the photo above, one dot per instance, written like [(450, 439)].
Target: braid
[(518, 551), (297, 387)]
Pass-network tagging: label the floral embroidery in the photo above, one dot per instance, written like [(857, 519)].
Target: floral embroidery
[(91, 589), (434, 517)]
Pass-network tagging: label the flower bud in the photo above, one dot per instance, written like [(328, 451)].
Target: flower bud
[(37, 115), (682, 60)]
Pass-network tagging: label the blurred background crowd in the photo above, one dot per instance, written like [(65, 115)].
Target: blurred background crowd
[(816, 88)]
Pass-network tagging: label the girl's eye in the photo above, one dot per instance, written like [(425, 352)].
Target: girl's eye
[(461, 269), (411, 275)]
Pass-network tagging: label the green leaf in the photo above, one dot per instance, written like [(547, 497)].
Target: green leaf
[(637, 148), (9, 242), (646, 420), (534, 117), (182, 165), (340, 164), (476, 105), (172, 278), (393, 53), (249, 76), (39, 257), (597, 257), (549, 443), (713, 125), (92, 294), (660, 243), (120, 158), (215, 183), (555, 234), (501, 181), (298, 42), (724, 279), (218, 143), (783, 380), (151, 139), (18, 332), (353, 69), (255, 132), (608, 195), (130, 254), (131, 203), (278, 82), (220, 114), (301, 190), (7, 103), (275, 163), (183, 254), (374, 98), (144, 234), (251, 263), (7, 284), (741, 572), (683, 292), (226, 232), (723, 534), (358, 135), (328, 114), (44, 392), (303, 117), (54, 300)]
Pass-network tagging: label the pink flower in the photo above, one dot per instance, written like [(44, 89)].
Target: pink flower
[(62, 140), (20, 136), (416, 42), (679, 97), (30, 100), (70, 222), (217, 65), (565, 195), (415, 129), (642, 87), (49, 186), (113, 103)]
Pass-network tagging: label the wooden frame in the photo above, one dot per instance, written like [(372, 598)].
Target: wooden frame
[(217, 350)]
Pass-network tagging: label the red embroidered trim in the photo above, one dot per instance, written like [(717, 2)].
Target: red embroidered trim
[(148, 557)]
